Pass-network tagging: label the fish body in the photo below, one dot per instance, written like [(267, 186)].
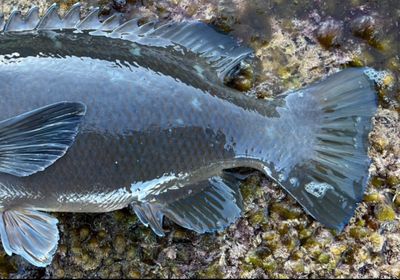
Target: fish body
[(146, 121), (140, 124)]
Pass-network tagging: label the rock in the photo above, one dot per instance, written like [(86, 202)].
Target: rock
[(329, 33)]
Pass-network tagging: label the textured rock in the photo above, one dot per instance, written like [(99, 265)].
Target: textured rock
[(275, 238)]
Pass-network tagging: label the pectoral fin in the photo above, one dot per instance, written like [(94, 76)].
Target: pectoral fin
[(32, 141), (30, 234), (207, 206)]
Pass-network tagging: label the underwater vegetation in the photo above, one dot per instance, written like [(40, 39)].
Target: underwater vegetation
[(296, 42)]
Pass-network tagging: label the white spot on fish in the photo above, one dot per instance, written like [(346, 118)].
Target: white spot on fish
[(135, 50), (179, 121), (196, 104), (318, 189), (281, 177), (199, 70), (294, 181)]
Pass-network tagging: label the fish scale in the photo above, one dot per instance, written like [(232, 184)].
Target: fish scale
[(97, 116)]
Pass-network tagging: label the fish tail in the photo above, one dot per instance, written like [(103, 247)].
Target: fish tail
[(331, 179)]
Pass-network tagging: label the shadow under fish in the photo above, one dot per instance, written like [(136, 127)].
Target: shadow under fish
[(101, 116)]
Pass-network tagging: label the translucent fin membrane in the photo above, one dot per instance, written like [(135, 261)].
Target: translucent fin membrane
[(207, 206), (19, 22), (32, 141), (30, 234), (220, 51), (333, 181)]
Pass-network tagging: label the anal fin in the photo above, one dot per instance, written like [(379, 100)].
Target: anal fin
[(206, 206), (30, 234)]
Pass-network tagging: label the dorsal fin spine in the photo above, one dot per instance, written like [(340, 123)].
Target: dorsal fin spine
[(220, 51), (51, 14), (73, 16)]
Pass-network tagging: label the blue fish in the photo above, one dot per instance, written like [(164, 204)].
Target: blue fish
[(98, 116)]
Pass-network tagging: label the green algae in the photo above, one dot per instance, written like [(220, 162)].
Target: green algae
[(385, 213), (214, 271)]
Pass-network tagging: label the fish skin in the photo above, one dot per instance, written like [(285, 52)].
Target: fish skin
[(140, 123), (159, 129)]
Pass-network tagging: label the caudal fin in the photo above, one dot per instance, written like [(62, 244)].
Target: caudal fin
[(332, 180)]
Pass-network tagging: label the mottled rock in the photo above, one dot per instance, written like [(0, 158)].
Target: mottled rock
[(275, 237), (329, 33)]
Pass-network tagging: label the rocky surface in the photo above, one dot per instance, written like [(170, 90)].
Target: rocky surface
[(295, 43)]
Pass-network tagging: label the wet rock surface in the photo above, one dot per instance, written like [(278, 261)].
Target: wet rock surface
[(295, 43)]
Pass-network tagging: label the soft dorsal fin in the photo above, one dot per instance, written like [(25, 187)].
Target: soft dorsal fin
[(220, 51), (32, 141)]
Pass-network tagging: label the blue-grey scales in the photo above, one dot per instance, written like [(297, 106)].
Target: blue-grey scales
[(97, 116)]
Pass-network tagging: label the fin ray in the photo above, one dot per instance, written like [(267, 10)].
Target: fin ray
[(220, 51), (72, 16), (51, 19), (90, 22), (332, 182), (212, 205), (30, 234), (34, 140)]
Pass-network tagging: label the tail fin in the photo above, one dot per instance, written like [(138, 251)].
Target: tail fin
[(333, 179)]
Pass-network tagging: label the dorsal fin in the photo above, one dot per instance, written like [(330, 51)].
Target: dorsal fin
[(111, 23), (91, 22), (51, 20), (72, 16), (19, 22), (220, 51)]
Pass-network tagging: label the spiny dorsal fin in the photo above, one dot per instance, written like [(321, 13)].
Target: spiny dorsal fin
[(19, 22), (126, 27), (91, 22), (111, 23), (220, 51), (72, 16), (51, 20)]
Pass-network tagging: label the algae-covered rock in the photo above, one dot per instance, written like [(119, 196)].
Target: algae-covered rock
[(329, 33), (295, 43)]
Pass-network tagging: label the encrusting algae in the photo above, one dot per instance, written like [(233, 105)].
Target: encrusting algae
[(275, 238)]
